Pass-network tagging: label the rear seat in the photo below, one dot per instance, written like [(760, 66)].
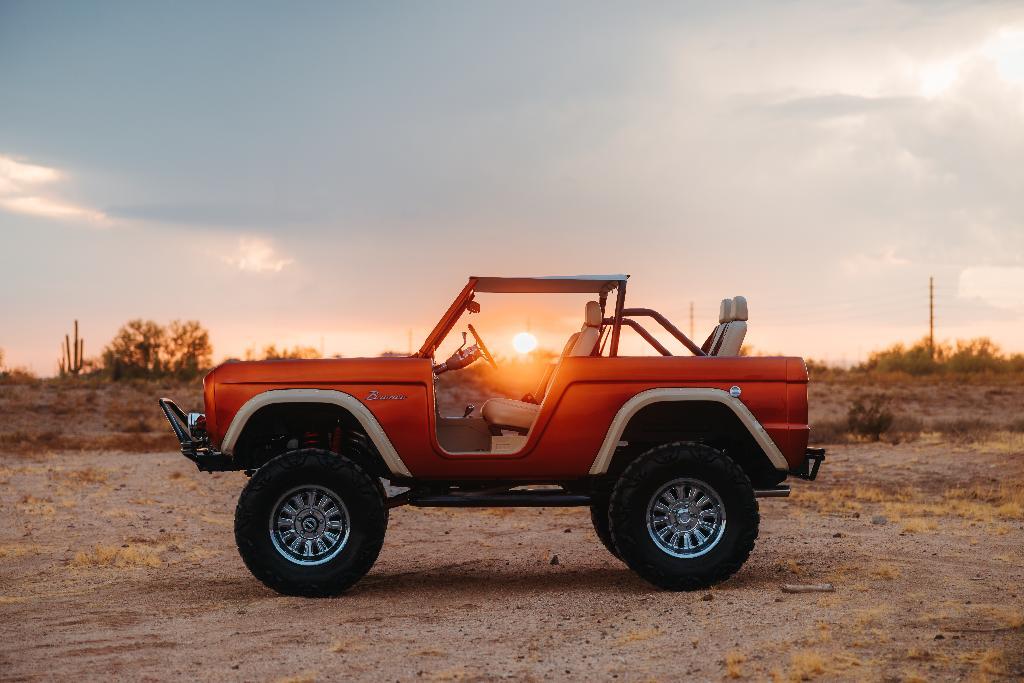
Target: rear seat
[(724, 315), (733, 328)]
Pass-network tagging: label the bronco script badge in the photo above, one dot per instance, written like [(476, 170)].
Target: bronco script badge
[(375, 395)]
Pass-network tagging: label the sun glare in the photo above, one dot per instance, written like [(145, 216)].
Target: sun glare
[(524, 342)]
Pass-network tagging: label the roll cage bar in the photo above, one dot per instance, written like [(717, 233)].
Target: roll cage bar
[(602, 285)]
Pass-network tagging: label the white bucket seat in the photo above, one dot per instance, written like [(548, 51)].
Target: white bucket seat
[(731, 332)]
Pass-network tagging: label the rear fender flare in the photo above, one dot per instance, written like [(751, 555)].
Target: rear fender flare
[(345, 401), (645, 398)]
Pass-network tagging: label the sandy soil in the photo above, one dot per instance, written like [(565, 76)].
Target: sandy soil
[(124, 565)]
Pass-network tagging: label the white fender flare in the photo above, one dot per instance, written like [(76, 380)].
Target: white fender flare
[(651, 396), (339, 398)]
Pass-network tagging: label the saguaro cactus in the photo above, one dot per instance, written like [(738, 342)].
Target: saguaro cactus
[(72, 354)]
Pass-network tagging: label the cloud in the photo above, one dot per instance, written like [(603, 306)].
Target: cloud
[(257, 255), (859, 264), (22, 190), (1000, 286), (241, 215)]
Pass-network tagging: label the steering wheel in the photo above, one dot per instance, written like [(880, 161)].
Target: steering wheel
[(483, 347)]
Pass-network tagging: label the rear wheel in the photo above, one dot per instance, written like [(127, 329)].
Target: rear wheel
[(310, 522), (683, 516)]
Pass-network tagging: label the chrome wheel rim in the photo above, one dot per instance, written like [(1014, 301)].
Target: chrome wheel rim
[(309, 525), (686, 518)]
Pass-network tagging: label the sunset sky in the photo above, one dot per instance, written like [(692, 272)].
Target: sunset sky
[(329, 174)]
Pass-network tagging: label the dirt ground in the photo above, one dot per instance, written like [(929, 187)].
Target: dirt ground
[(123, 565)]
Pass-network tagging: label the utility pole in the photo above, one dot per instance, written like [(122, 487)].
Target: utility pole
[(931, 316), (691, 320)]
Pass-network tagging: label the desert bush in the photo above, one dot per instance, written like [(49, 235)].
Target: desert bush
[(869, 416), (904, 428), (964, 429), (919, 359), (819, 370), (145, 349), (830, 431), (14, 375), (272, 353), (971, 356)]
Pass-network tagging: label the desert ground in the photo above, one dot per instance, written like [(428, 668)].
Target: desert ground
[(118, 561)]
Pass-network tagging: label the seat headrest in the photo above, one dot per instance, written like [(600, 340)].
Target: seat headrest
[(725, 311), (739, 308), (592, 314)]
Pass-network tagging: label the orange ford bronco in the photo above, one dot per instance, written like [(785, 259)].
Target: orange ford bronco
[(669, 452)]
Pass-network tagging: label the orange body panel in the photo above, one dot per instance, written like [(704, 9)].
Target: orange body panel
[(584, 397)]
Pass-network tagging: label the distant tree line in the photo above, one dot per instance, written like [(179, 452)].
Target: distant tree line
[(271, 352), (144, 349), (923, 359), (965, 356)]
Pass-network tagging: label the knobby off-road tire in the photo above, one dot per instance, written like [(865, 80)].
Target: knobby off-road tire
[(324, 496), (599, 517), (696, 473)]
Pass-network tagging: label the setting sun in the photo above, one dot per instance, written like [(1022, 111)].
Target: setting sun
[(524, 342)]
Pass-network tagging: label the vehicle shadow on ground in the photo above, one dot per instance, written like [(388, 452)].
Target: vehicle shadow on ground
[(470, 577)]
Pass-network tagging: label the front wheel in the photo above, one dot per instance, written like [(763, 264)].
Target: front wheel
[(683, 516), (311, 523), (599, 518)]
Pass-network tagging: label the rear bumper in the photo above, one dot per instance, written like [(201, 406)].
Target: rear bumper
[(808, 469), (196, 450)]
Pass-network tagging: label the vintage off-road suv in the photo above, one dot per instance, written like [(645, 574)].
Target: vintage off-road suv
[(670, 453)]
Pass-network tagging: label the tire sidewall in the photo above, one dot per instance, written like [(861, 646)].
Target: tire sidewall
[(632, 496), (363, 499)]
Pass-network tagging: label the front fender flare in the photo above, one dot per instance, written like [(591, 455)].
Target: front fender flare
[(348, 402), (651, 396)]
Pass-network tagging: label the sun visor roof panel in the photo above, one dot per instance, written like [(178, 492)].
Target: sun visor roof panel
[(550, 284)]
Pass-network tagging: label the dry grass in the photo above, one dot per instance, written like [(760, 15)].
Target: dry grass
[(347, 645), (886, 571), (638, 636), (733, 662), (182, 480), (87, 476), (805, 665), (988, 504), (1011, 618), (88, 414), (17, 549), (918, 525), (304, 677), (36, 507), (33, 443), (869, 617), (128, 556), (990, 661)]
